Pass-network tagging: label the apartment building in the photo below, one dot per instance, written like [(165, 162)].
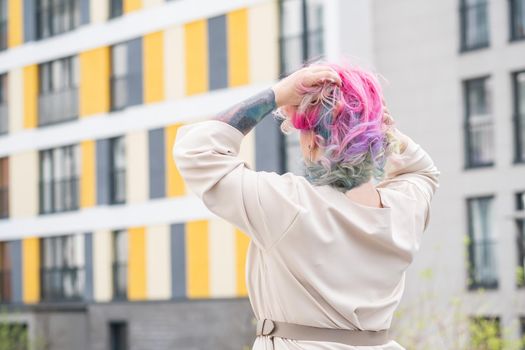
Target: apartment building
[(103, 247)]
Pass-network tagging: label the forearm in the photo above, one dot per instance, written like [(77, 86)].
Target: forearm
[(246, 114)]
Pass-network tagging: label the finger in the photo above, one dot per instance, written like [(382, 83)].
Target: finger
[(326, 75)]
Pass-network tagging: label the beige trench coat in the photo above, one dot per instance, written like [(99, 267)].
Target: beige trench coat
[(315, 257)]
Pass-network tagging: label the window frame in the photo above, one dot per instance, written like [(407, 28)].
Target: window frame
[(54, 13), (472, 284), (117, 174), (463, 10), (50, 293), (70, 68), (518, 120), (4, 187), (467, 147), (119, 267), (4, 109), (513, 36), (73, 180)]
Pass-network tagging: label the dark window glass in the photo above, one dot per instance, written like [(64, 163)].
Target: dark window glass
[(520, 240), (118, 336), (474, 24), (478, 123), (3, 24), (62, 262), (116, 8), (120, 264), (119, 76), (519, 115), (483, 331), (517, 19), (482, 244), (5, 273), (58, 91), (3, 104), (4, 187), (59, 173), (301, 40), (56, 16), (117, 173)]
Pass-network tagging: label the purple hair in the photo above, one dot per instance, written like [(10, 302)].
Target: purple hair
[(349, 124)]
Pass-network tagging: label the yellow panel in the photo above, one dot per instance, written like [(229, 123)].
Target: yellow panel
[(238, 60), (137, 263), (87, 177), (15, 23), (94, 81), (31, 270), (174, 182), (241, 248), (30, 96), (154, 67), (132, 5), (196, 57), (197, 259)]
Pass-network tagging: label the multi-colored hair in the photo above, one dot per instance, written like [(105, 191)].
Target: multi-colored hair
[(350, 126)]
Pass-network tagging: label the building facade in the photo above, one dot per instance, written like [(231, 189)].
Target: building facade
[(103, 247)]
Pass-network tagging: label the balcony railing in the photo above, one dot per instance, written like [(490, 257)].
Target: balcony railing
[(58, 106), (519, 136), (59, 195), (62, 283), (480, 142), (483, 268), (474, 26), (4, 202), (120, 280), (5, 286)]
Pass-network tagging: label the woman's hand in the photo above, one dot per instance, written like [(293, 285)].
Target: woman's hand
[(288, 90)]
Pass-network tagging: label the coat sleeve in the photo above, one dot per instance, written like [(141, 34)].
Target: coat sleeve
[(414, 173), (261, 204)]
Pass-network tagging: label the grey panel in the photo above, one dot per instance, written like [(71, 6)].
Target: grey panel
[(88, 259), (135, 72), (103, 171), (268, 150), (29, 20), (178, 261), (15, 250), (84, 12), (157, 166), (217, 53)]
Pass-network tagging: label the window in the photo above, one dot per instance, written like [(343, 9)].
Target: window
[(3, 24), (520, 240), (479, 142), (482, 244), (519, 115), (118, 336), (485, 333), (62, 261), (58, 91), (3, 104), (5, 273), (301, 39), (517, 19), (117, 173), (56, 16), (59, 172), (474, 24), (116, 8), (120, 264), (4, 187)]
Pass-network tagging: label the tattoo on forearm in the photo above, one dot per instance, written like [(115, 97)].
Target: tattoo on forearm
[(246, 114)]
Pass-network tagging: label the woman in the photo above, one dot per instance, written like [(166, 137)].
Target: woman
[(328, 252)]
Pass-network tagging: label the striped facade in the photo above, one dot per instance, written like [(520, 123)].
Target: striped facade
[(183, 65)]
